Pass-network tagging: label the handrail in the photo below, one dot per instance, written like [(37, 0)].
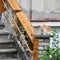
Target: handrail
[(16, 39), (20, 45), (18, 28), (23, 19), (7, 20)]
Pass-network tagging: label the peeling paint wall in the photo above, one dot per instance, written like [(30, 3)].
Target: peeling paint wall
[(41, 8)]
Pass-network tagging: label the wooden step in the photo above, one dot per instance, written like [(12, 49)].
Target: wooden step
[(5, 51)]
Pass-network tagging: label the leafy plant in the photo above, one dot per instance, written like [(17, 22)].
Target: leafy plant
[(54, 52)]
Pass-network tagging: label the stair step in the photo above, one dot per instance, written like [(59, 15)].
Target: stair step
[(4, 32), (13, 50), (8, 56), (2, 25), (5, 41), (6, 44), (11, 59)]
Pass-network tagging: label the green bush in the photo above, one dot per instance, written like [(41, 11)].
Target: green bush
[(52, 53)]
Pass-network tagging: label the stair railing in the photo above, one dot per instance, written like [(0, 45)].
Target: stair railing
[(16, 39), (8, 23), (14, 21)]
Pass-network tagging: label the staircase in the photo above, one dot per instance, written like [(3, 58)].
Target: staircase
[(8, 51), (25, 46)]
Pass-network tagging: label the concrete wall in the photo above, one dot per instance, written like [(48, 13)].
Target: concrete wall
[(41, 8), (49, 9), (25, 4)]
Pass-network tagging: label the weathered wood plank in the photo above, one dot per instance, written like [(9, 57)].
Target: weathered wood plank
[(30, 30), (35, 49), (26, 24), (2, 9), (14, 5)]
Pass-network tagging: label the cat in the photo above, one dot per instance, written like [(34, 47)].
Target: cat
[(45, 29)]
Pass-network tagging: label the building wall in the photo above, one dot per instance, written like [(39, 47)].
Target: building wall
[(41, 8), (25, 4), (50, 9)]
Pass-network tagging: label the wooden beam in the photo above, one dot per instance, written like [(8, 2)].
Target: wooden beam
[(26, 24), (30, 30), (14, 5), (2, 9), (35, 49)]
